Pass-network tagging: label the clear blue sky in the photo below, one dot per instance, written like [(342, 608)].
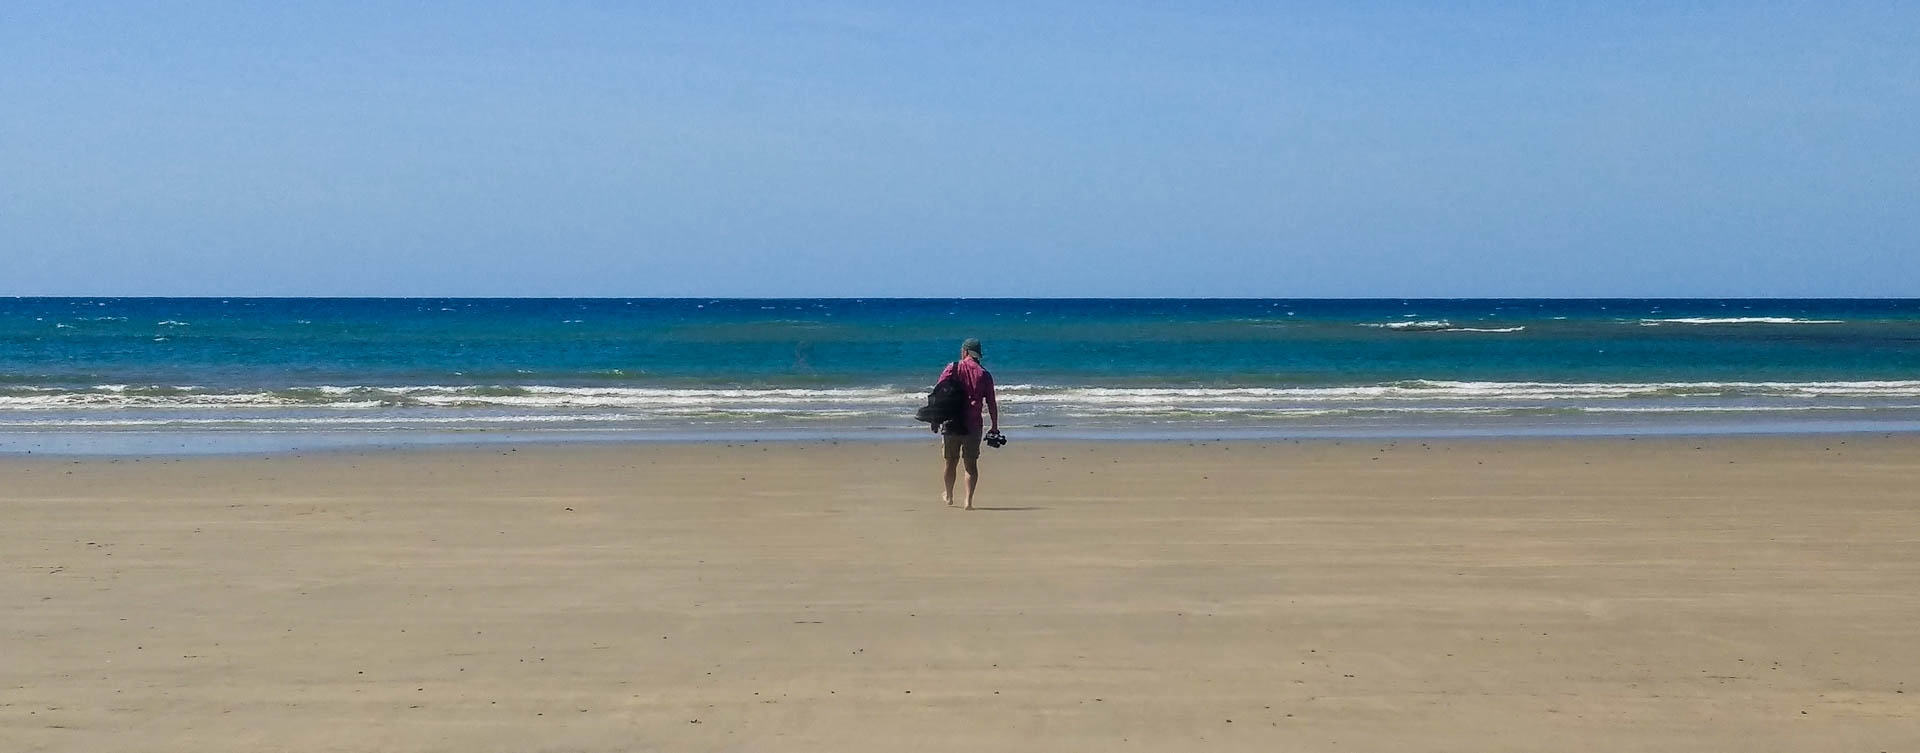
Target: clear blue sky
[(1070, 149)]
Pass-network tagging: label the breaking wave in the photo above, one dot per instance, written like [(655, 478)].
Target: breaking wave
[(1437, 325), (1737, 320), (110, 407)]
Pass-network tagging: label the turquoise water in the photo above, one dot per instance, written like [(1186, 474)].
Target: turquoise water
[(189, 372)]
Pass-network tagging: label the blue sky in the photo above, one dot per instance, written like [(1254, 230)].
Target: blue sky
[(965, 149)]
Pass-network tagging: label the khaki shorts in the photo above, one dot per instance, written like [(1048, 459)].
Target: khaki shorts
[(962, 446)]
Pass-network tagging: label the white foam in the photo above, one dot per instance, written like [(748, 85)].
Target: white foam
[(1428, 325), (1437, 325), (1737, 320), (1741, 408), (480, 404), (120, 396), (1431, 390)]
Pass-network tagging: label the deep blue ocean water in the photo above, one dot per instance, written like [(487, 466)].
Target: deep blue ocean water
[(194, 370)]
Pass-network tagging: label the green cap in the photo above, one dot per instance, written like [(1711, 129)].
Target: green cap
[(972, 345)]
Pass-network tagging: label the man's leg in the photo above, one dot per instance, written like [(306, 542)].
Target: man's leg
[(970, 454), (950, 449), (973, 478), (952, 466)]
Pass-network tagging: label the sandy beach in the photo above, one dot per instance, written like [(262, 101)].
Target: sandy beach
[(1751, 594)]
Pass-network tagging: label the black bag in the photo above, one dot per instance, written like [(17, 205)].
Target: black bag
[(947, 402)]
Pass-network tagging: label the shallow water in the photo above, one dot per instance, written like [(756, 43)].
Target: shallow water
[(406, 370)]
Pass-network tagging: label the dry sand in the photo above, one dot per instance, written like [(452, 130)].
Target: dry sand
[(1605, 595)]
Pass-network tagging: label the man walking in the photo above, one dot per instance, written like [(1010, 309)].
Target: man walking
[(959, 446)]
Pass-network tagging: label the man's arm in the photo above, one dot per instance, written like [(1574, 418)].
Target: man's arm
[(993, 404)]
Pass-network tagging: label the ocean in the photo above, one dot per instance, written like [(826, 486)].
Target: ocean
[(233, 374)]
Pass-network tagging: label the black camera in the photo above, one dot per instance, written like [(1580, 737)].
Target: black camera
[(995, 439)]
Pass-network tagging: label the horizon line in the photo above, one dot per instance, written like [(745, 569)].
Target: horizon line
[(959, 298)]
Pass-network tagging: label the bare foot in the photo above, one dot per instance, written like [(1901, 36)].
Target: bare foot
[(969, 505), (947, 499)]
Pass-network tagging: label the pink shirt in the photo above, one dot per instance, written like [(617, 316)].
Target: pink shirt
[(979, 386)]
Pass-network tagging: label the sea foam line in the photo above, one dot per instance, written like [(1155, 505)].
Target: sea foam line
[(547, 397), (1437, 325), (1737, 320), (868, 418)]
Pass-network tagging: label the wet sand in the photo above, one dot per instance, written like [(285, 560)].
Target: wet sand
[(1751, 594)]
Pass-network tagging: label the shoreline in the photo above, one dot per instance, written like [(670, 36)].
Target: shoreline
[(84, 444)]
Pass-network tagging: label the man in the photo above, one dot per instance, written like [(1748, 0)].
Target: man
[(978, 385)]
